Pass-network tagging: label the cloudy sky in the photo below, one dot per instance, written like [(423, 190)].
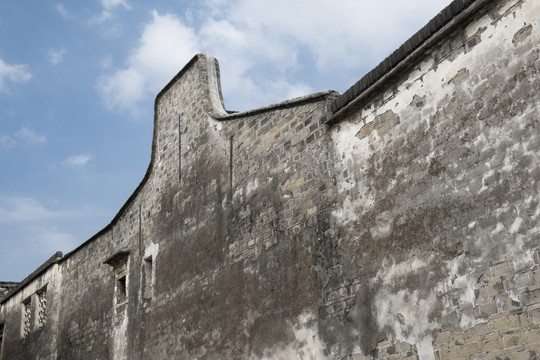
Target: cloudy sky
[(78, 80)]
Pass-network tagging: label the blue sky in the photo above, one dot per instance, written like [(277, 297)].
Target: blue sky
[(78, 80)]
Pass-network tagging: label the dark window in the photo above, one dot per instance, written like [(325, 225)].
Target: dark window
[(121, 290), (147, 278), (119, 262), (1, 338)]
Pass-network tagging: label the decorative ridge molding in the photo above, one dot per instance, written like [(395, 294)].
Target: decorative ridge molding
[(214, 88), (218, 111), (320, 96)]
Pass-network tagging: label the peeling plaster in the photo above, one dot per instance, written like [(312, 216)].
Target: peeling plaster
[(120, 338), (368, 158), (305, 343)]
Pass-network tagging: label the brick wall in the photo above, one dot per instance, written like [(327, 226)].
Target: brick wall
[(397, 221), (436, 185)]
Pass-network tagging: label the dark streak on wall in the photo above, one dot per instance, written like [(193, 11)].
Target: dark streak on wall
[(398, 220)]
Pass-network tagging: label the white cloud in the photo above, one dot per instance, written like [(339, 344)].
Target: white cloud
[(51, 240), (338, 33), (24, 209), (13, 73), (77, 160), (164, 47), (25, 135), (106, 62), (35, 226), (110, 4), (263, 91), (7, 141), (56, 56), (65, 13), (108, 7), (103, 16), (41, 228), (264, 45), (30, 136), (290, 91)]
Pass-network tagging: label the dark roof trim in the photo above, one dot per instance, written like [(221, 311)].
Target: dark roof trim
[(450, 17), (317, 97), (46, 265), (217, 109), (117, 259)]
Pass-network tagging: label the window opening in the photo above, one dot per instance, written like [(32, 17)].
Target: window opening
[(121, 290), (147, 278), (27, 317), (42, 307), (1, 338), (119, 262)]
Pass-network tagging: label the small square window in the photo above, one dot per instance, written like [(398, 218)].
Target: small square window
[(119, 262)]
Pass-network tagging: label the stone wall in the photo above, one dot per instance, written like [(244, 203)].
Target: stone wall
[(5, 287), (30, 316), (399, 220), (438, 188)]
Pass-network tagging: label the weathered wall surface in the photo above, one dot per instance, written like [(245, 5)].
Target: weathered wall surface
[(229, 219), (438, 196), (6, 287), (396, 222), (229, 232), (27, 318)]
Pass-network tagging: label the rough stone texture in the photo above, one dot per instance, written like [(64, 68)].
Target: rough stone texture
[(428, 205), (398, 221), (6, 287)]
